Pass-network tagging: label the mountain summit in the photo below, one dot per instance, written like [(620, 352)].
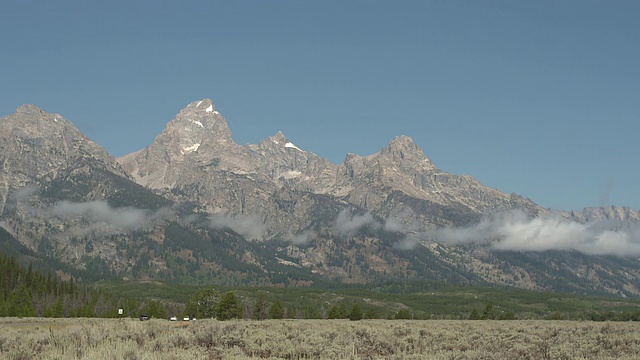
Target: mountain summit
[(196, 206), (196, 160), (38, 146), (192, 138)]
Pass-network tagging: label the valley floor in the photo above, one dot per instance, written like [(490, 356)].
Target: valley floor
[(35, 338)]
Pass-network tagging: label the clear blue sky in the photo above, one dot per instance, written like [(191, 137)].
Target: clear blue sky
[(541, 98)]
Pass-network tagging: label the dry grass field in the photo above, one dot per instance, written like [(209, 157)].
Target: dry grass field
[(32, 338)]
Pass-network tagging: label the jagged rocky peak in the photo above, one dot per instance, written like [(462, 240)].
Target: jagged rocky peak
[(36, 145), (204, 105), (196, 126), (606, 213), (32, 127), (401, 153), (30, 110), (35, 121), (279, 140), (402, 147), (198, 135)]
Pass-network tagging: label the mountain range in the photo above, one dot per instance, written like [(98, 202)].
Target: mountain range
[(194, 206)]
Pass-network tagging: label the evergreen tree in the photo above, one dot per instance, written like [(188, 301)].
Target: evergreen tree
[(58, 308), (334, 313), (260, 307), (489, 312), (276, 311), (509, 315), (474, 315), (203, 304), (156, 309), (356, 313), (403, 314), (371, 313), (228, 307)]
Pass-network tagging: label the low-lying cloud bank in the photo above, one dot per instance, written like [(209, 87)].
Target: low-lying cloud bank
[(347, 223), (248, 226), (100, 211), (515, 231)]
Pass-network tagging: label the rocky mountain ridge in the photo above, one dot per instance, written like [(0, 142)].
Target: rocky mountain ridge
[(197, 144), (196, 206)]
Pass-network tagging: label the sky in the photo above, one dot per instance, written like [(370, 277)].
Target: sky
[(539, 98)]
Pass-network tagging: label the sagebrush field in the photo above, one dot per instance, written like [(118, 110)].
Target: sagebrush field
[(34, 338)]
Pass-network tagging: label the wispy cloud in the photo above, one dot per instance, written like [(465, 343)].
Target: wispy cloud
[(346, 223), (304, 237), (248, 226), (516, 231), (100, 212), (409, 242), (25, 192)]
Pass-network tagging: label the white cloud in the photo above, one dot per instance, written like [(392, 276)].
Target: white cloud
[(25, 192), (349, 224), (515, 231), (100, 211), (248, 226), (303, 237), (408, 243)]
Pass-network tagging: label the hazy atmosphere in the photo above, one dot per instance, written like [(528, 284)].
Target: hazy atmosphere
[(539, 98)]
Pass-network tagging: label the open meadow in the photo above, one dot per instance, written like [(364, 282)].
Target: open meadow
[(36, 338)]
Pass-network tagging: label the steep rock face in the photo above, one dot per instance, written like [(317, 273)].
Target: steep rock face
[(369, 218), (195, 160), (36, 147), (287, 165), (604, 213), (60, 192), (198, 136), (402, 183)]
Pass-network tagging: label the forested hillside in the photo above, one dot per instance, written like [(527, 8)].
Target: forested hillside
[(25, 292)]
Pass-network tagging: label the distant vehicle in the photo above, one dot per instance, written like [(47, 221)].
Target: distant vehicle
[(173, 318), (186, 318), (144, 317)]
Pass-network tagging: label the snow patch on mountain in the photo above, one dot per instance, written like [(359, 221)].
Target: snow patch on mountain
[(191, 148), (290, 145), (291, 174)]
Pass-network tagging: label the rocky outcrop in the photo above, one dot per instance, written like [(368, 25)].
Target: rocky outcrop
[(37, 146), (196, 160), (194, 204)]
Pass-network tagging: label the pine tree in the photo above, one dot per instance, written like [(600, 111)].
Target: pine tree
[(260, 307), (403, 314), (356, 313), (489, 312), (228, 308), (474, 315), (371, 313), (203, 304), (276, 311)]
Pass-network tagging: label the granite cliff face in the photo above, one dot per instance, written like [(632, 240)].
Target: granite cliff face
[(37, 147), (59, 191), (196, 160), (196, 205)]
